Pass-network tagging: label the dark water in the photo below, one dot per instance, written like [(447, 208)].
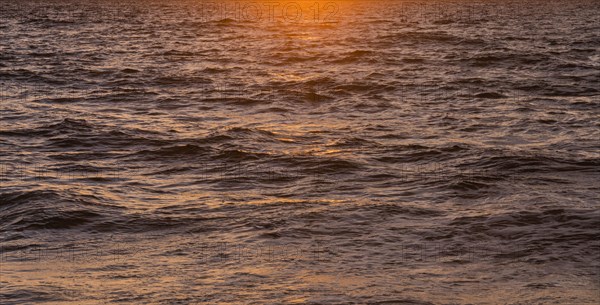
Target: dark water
[(364, 152)]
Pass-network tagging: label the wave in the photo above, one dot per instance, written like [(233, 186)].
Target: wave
[(49, 209)]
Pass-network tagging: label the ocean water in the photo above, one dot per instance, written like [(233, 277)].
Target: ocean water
[(299, 152)]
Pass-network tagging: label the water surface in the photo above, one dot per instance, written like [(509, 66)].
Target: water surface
[(160, 152)]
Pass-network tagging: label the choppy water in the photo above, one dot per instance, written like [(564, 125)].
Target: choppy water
[(379, 152)]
